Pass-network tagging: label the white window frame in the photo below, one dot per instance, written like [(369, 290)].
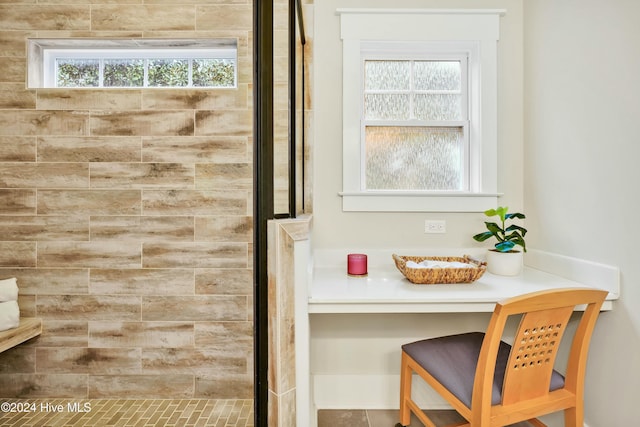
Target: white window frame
[(473, 31), (43, 54), (461, 52)]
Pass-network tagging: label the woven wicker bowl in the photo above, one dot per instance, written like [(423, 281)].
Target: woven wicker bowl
[(431, 276)]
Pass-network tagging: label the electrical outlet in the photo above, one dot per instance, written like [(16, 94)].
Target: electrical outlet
[(435, 226)]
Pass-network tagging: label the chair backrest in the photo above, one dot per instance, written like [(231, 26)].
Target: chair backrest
[(545, 316)]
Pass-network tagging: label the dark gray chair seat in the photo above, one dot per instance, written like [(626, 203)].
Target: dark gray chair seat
[(452, 361)]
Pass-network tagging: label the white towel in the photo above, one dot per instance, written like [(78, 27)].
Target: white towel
[(9, 315), (458, 264), (413, 264), (8, 290), (438, 264)]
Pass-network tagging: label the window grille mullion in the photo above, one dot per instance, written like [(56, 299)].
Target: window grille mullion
[(415, 122), (412, 90), (101, 73), (145, 73)]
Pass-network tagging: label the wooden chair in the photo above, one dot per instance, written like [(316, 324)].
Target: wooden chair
[(491, 383)]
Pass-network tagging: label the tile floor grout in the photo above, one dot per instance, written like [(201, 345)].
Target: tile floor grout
[(175, 412), (126, 413)]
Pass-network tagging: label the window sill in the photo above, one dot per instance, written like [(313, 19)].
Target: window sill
[(417, 201)]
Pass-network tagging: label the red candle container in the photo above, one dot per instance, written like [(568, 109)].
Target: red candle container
[(357, 264)]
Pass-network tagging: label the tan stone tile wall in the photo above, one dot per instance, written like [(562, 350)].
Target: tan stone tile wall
[(126, 214)]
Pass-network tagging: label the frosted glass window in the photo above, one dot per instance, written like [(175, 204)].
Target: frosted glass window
[(387, 107), (414, 158), (387, 75), (414, 123), (419, 109), (405, 90), (438, 75), (438, 107)]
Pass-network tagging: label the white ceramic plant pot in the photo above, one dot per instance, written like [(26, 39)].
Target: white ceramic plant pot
[(504, 263)]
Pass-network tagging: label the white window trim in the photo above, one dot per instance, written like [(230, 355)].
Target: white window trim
[(44, 52), (362, 26)]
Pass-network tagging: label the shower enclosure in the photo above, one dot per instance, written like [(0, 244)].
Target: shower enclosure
[(281, 189), (132, 217)]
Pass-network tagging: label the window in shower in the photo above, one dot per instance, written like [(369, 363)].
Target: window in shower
[(141, 63)]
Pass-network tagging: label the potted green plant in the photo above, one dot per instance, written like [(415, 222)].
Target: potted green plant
[(504, 259)]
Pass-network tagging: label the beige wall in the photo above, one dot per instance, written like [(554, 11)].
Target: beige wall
[(334, 228), (581, 172), (126, 214)]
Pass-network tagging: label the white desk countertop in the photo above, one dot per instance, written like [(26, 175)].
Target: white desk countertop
[(386, 290)]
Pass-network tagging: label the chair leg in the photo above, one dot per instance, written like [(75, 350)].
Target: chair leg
[(573, 417), (405, 391)]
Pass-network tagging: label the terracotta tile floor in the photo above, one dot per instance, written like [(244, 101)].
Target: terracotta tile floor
[(138, 413)]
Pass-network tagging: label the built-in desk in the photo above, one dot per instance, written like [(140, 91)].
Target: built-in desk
[(357, 324), (386, 290)]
